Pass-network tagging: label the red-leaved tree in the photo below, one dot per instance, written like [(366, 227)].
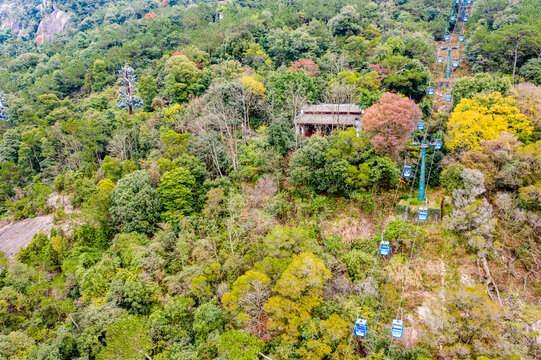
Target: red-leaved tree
[(390, 122), (307, 65)]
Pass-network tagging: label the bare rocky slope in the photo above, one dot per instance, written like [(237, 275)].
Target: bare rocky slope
[(28, 19), (17, 235)]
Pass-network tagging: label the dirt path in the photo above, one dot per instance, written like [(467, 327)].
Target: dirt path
[(19, 235)]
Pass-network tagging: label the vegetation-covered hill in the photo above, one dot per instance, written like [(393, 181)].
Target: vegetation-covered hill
[(205, 228)]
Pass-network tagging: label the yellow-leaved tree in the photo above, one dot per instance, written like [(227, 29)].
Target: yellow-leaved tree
[(256, 87), (299, 290), (484, 117)]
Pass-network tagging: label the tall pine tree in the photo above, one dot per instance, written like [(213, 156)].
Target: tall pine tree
[(127, 98)]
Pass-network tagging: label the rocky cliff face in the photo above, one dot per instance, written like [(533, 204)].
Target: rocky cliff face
[(30, 18), (54, 23)]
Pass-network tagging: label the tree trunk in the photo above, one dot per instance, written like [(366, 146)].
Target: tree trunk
[(74, 323), (37, 159), (231, 242), (515, 63), (144, 354), (489, 276)]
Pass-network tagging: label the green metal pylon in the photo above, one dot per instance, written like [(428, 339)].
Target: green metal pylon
[(424, 144), (421, 195), (449, 49)]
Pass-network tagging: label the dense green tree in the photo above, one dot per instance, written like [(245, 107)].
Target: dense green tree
[(281, 136), (292, 90), (357, 48), (148, 90), (519, 37), (133, 294), (467, 87), (135, 204), (239, 345), (176, 193), (127, 339), (410, 79), (207, 319), (285, 45), (237, 44), (99, 75), (346, 23), (310, 167), (531, 70), (9, 148), (181, 77)]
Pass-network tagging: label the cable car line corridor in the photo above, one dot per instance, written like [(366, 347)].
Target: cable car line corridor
[(440, 92)]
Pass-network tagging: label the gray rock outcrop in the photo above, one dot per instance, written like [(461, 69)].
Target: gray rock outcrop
[(56, 23)]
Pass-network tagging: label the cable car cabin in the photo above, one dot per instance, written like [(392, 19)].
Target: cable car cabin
[(461, 38), (446, 37), (431, 90), (453, 17), (457, 2), (360, 328), (440, 59), (468, 2), (421, 125), (465, 18), (437, 144), (448, 97), (423, 213), (397, 328), (407, 171), (384, 248), (455, 63)]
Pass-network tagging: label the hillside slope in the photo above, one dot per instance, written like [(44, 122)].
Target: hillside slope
[(220, 218)]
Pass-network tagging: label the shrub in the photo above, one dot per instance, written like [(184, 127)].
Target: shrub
[(358, 263)]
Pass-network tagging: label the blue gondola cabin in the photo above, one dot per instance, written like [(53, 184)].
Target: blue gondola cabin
[(453, 17), (448, 97), (360, 328), (397, 329), (431, 90), (384, 248), (461, 37), (455, 63), (440, 59), (437, 144), (446, 36), (421, 125), (465, 18), (423, 213), (407, 171)]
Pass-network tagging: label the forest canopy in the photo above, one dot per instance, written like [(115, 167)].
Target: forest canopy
[(189, 218)]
